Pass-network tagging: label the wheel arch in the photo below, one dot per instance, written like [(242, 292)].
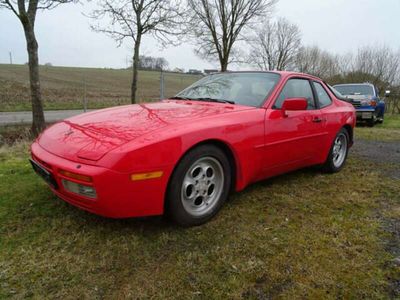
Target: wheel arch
[(228, 151), (349, 130)]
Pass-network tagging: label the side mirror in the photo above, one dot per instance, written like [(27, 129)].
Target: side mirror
[(294, 104), (387, 93)]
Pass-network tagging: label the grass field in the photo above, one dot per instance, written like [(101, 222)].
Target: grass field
[(301, 235), (63, 87), (388, 131)]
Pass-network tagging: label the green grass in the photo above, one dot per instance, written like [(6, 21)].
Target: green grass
[(301, 235), (391, 121), (388, 131), (63, 87)]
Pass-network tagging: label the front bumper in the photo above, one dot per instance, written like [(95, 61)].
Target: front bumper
[(365, 114), (117, 195)]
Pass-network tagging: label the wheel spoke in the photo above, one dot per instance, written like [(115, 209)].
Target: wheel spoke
[(339, 150), (202, 186)]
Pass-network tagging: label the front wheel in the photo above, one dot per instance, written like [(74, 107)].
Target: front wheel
[(338, 153), (199, 186)]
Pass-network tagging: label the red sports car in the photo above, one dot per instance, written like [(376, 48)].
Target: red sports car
[(184, 155)]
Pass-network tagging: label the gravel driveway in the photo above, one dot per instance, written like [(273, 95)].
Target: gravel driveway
[(387, 153)]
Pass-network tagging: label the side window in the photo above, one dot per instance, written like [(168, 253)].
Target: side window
[(323, 97), (296, 88)]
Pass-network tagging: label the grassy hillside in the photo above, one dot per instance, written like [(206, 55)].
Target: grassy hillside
[(63, 87)]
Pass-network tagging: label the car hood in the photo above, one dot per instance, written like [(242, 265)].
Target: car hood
[(358, 97), (91, 135)]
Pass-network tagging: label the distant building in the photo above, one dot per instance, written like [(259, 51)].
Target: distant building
[(194, 71), (210, 71)]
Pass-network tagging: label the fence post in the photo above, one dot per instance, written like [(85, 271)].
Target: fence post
[(84, 93), (162, 85)]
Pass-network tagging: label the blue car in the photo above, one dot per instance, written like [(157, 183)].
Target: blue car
[(365, 99)]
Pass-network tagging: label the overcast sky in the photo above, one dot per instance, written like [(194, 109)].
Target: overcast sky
[(65, 39)]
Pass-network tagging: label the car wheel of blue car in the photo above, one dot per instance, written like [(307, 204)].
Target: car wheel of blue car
[(338, 153), (371, 122)]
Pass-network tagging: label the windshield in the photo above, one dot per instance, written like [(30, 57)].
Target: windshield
[(355, 89), (249, 89), (335, 91)]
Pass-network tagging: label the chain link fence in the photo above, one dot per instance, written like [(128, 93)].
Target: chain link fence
[(86, 88)]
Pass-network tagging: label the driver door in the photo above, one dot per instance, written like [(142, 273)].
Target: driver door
[(292, 139)]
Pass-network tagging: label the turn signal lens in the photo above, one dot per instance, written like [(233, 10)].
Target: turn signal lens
[(373, 103), (76, 176), (144, 176)]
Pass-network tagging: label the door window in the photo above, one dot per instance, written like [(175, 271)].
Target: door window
[(296, 88)]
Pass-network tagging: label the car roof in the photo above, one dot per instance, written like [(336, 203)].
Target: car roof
[(366, 83), (282, 73)]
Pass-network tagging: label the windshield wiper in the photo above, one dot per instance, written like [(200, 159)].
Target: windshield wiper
[(214, 100), (180, 98)]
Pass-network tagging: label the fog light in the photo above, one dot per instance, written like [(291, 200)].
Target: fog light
[(80, 189)]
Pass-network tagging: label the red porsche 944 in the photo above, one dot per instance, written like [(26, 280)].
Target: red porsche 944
[(183, 156)]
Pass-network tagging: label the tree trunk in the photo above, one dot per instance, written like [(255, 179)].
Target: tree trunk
[(135, 68), (38, 122), (224, 64)]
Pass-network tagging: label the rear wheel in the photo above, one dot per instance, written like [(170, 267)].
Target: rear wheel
[(338, 153), (199, 186), (371, 123)]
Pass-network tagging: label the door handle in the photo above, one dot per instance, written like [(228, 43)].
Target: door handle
[(317, 120)]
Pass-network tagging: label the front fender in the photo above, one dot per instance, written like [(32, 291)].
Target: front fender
[(241, 132)]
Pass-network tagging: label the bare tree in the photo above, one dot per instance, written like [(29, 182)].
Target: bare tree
[(382, 63), (26, 11), (275, 45), (313, 60), (218, 24), (378, 65), (132, 19)]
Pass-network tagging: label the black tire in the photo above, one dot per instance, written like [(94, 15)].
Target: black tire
[(176, 209), (330, 166), (371, 122)]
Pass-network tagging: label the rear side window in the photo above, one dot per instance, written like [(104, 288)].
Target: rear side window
[(323, 97), (296, 88)]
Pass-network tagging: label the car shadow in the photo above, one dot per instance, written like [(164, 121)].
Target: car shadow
[(160, 224)]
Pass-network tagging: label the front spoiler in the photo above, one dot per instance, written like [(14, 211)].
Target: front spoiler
[(117, 195), (365, 114)]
